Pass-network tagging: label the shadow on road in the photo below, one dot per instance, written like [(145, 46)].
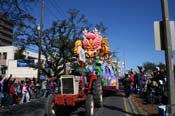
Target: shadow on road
[(27, 109), (121, 110), (70, 111)]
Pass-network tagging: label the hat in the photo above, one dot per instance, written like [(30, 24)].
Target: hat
[(161, 82)]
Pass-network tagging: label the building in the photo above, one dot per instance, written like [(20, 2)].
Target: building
[(19, 68), (6, 31)]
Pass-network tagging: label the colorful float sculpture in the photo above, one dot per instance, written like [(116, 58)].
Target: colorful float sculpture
[(97, 58)]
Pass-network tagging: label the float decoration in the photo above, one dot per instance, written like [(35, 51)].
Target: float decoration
[(98, 58)]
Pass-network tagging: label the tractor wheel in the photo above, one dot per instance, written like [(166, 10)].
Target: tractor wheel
[(98, 93), (50, 106), (89, 105)]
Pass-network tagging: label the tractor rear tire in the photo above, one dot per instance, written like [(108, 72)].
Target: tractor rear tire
[(89, 105), (50, 106), (98, 93)]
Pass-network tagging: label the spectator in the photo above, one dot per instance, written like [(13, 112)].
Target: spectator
[(136, 80), (43, 88), (31, 88), (6, 88), (48, 86), (37, 89), (131, 75), (52, 84), (1, 89), (57, 84), (127, 85), (12, 94), (25, 93), (141, 81), (17, 92)]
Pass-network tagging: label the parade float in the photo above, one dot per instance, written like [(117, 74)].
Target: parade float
[(98, 59), (79, 87)]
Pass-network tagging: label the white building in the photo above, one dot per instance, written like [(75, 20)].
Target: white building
[(17, 68)]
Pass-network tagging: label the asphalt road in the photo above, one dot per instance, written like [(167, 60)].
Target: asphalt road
[(114, 105), (33, 108)]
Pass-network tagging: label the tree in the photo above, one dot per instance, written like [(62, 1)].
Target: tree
[(161, 66), (100, 26), (19, 53), (149, 66), (18, 12)]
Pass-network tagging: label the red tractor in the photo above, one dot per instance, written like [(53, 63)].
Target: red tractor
[(74, 90)]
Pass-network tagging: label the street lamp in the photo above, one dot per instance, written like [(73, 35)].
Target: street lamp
[(39, 27), (39, 52)]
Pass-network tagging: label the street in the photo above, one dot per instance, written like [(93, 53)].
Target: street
[(113, 105), (33, 108)]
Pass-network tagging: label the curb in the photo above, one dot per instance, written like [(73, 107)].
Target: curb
[(137, 110), (132, 107)]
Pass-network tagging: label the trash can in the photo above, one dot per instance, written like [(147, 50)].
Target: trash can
[(162, 110)]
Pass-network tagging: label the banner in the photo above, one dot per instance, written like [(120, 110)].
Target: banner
[(25, 62)]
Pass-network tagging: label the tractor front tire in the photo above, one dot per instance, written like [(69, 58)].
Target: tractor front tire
[(98, 93), (50, 106), (89, 105)]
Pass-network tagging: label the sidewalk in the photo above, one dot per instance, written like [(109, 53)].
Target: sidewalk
[(141, 108)]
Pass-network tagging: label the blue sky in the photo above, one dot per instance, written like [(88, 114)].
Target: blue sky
[(129, 22)]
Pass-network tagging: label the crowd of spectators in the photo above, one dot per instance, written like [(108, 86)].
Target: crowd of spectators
[(151, 84), (14, 92)]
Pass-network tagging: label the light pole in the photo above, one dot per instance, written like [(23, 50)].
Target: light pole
[(168, 55), (40, 39)]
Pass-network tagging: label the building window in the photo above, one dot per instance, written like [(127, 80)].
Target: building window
[(4, 56)]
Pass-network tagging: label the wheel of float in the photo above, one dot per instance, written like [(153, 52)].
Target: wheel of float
[(89, 105), (50, 106), (98, 93)]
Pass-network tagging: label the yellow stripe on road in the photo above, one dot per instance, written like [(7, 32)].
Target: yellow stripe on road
[(126, 106)]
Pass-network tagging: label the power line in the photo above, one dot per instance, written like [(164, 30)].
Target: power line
[(50, 11), (59, 8), (58, 4), (56, 7)]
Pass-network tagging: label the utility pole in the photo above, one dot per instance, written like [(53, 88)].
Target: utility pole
[(168, 55), (40, 38)]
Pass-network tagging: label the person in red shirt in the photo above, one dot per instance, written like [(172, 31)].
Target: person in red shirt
[(12, 94), (52, 84), (131, 75)]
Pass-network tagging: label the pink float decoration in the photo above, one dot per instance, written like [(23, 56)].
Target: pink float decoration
[(91, 41)]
